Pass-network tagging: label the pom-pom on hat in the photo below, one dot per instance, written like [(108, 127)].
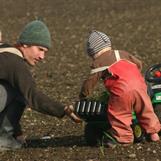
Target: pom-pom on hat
[(35, 33), (96, 42)]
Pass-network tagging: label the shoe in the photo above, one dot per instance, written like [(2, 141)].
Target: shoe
[(154, 137), (111, 142), (9, 143), (69, 111), (21, 139)]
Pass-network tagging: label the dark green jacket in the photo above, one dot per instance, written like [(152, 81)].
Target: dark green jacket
[(15, 71)]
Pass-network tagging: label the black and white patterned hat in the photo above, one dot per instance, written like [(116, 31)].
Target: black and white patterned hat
[(96, 42)]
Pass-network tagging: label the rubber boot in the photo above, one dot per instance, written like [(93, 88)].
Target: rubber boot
[(10, 126), (7, 141)]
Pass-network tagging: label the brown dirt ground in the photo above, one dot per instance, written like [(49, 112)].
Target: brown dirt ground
[(134, 26)]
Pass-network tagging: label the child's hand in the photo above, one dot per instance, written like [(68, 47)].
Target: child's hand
[(69, 111)]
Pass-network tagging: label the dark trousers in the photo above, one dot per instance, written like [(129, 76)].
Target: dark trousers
[(12, 105)]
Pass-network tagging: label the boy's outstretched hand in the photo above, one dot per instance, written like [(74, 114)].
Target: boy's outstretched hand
[(69, 111)]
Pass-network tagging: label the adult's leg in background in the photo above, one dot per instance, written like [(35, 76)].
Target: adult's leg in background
[(12, 107)]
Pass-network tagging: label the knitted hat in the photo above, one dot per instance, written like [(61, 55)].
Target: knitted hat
[(96, 42), (35, 33)]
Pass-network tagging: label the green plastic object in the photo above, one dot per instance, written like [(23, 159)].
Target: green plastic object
[(156, 98)]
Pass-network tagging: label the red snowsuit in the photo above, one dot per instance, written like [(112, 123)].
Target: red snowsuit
[(128, 92)]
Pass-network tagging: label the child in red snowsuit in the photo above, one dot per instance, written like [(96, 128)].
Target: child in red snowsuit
[(121, 74)]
